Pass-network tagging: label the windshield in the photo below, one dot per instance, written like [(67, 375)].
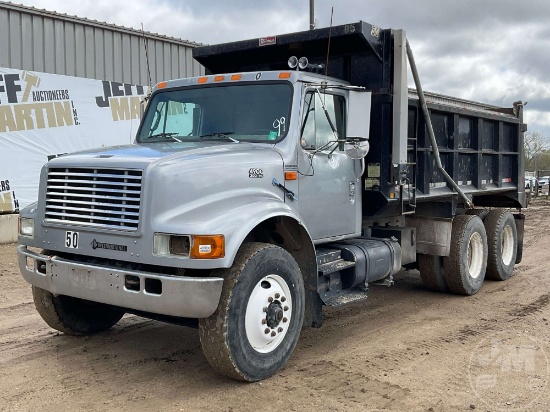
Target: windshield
[(244, 112)]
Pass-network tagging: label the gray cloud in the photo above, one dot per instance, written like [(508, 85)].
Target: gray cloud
[(489, 50)]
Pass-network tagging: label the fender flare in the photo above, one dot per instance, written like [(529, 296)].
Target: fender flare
[(254, 217)]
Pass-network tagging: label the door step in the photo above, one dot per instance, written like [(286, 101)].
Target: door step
[(330, 267), (335, 266), (346, 297)]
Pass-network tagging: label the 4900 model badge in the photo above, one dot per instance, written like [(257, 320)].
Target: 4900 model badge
[(256, 173)]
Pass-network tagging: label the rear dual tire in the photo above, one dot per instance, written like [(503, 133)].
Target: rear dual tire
[(502, 240), (432, 273), (479, 249), (467, 261)]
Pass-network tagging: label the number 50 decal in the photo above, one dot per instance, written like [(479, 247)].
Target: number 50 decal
[(71, 240)]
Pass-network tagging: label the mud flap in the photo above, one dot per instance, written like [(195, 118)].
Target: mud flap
[(520, 227)]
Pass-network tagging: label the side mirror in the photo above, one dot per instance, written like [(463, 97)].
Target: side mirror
[(141, 108), (143, 104), (356, 148), (356, 145)]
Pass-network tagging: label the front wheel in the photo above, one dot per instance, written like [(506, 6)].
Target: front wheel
[(259, 318)]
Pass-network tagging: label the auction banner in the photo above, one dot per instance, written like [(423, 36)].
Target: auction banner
[(45, 115)]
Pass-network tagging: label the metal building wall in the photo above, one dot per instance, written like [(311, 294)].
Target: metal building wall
[(39, 40)]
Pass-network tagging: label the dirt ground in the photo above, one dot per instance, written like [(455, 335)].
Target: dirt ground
[(405, 349)]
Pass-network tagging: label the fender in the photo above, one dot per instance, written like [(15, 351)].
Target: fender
[(232, 213)]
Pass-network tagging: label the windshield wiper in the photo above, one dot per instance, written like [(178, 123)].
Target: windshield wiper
[(171, 135), (220, 134)]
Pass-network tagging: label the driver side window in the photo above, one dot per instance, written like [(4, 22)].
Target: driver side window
[(316, 132)]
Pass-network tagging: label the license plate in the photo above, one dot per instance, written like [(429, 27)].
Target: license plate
[(82, 278), (71, 240)]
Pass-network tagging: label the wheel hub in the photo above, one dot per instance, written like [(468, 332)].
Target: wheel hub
[(274, 314), (268, 313)]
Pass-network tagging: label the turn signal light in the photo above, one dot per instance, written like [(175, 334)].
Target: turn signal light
[(291, 175), (208, 247)]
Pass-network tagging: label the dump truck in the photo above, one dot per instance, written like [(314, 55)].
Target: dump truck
[(299, 172)]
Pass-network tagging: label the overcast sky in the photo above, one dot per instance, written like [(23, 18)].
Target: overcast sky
[(495, 51)]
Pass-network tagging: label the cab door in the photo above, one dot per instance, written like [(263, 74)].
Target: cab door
[(329, 198)]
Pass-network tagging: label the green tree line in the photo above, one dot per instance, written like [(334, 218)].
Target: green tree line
[(537, 152)]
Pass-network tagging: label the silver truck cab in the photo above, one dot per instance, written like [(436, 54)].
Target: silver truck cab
[(218, 161)]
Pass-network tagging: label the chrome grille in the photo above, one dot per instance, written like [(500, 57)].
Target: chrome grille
[(106, 198)]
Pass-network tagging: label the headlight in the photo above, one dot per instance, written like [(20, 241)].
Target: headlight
[(194, 246), (165, 244), (26, 227)]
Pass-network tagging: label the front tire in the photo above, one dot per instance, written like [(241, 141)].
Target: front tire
[(74, 316), (259, 318), (467, 262)]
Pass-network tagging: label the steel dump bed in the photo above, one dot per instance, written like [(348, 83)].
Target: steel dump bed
[(480, 145)]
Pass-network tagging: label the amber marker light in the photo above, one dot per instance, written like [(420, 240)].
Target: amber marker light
[(291, 175), (208, 247), (284, 75), (202, 79), (162, 85), (219, 78), (236, 76)]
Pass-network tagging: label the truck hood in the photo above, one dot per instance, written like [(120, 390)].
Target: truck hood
[(143, 155), (189, 181)]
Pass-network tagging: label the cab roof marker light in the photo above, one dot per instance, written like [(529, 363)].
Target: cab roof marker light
[(219, 78), (162, 85), (202, 79), (236, 76), (284, 75)]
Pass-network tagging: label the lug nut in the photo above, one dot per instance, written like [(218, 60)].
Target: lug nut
[(264, 321), (266, 331), (285, 320), (283, 299), (265, 309), (280, 329), (273, 333), (277, 296), (270, 299), (286, 308)]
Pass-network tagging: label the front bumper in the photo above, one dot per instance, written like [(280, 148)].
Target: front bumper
[(182, 296)]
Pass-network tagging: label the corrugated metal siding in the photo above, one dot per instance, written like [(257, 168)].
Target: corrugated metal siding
[(33, 39)]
